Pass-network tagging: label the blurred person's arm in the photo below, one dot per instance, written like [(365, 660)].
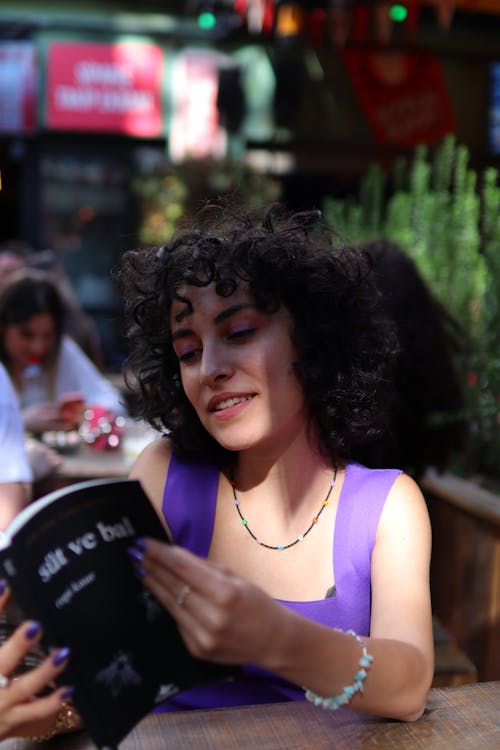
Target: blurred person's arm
[(39, 418), (15, 471), (13, 498), (44, 461)]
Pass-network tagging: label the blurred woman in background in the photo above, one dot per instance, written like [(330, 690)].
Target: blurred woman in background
[(44, 363), (426, 423)]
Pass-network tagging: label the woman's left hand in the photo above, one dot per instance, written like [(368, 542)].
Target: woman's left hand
[(221, 617)]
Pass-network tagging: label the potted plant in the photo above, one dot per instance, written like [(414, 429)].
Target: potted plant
[(172, 193)]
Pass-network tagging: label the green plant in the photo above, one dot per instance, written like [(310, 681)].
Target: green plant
[(446, 216), (174, 193)]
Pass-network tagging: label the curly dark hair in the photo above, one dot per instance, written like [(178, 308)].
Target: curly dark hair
[(344, 345), (426, 426)]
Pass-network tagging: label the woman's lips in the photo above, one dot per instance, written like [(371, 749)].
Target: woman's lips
[(228, 406), (232, 401)]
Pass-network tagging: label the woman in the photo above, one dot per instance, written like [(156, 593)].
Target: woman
[(44, 363), (260, 350)]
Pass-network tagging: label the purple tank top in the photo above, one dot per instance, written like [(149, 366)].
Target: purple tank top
[(189, 502)]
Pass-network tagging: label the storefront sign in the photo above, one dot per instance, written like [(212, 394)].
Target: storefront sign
[(105, 87), (403, 95), (17, 87)]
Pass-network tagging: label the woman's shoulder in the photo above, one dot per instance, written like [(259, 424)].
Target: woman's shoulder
[(361, 478), (151, 468), (157, 467), (70, 355), (405, 508), (68, 346)]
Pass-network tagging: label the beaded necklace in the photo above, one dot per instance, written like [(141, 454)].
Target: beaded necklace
[(281, 547)]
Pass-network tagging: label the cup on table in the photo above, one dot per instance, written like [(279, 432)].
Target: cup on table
[(71, 408)]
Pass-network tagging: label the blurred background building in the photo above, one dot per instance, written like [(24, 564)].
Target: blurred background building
[(101, 103)]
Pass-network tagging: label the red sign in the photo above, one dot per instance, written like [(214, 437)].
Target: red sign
[(17, 87), (403, 95), (101, 87)]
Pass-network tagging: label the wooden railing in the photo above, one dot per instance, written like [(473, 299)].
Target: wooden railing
[(465, 568)]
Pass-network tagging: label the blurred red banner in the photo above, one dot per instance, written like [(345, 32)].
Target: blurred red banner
[(113, 87), (403, 95)]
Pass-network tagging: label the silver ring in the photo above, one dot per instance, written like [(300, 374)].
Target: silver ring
[(183, 594), (4, 681)]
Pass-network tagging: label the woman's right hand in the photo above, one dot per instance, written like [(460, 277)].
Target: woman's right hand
[(40, 418), (23, 712), (43, 460)]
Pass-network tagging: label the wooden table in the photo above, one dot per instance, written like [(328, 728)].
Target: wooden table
[(87, 463), (466, 717), (82, 465)]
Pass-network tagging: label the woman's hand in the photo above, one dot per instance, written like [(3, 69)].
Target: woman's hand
[(221, 617), (43, 460), (40, 418), (22, 712)]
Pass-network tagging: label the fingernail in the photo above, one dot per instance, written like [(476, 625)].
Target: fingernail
[(135, 554), (67, 693), (3, 586), (140, 543), (32, 630), (60, 656)]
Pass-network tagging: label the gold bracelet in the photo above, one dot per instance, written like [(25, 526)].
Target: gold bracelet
[(67, 719)]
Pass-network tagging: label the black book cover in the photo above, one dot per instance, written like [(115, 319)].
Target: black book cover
[(66, 558)]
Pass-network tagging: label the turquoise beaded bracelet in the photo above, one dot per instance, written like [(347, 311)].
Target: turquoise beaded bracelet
[(345, 697)]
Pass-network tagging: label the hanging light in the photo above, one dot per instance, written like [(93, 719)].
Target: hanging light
[(398, 12), (206, 20), (289, 20)]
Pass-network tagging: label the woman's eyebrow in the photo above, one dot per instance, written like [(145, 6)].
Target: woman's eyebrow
[(232, 311)]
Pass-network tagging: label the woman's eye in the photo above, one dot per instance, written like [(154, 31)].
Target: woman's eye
[(241, 333), (188, 356)]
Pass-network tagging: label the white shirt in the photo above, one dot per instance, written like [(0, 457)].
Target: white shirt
[(74, 372), (14, 466)]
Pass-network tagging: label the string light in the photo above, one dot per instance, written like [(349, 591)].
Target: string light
[(398, 13), (206, 20)]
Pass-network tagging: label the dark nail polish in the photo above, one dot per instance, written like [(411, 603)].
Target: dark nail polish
[(135, 554), (67, 693), (139, 571), (3, 586), (60, 656), (140, 543), (32, 630)]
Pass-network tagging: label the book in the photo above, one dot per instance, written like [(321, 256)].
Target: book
[(65, 556)]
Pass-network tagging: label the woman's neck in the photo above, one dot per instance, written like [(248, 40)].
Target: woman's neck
[(290, 474)]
